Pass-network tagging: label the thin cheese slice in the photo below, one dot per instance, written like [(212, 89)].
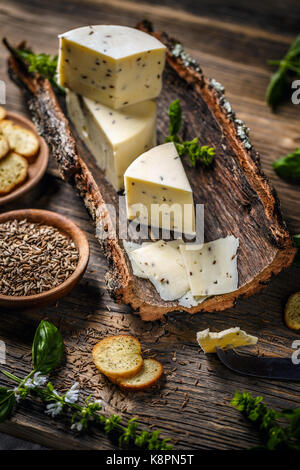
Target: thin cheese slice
[(158, 192), (115, 65), (189, 301), (212, 269), (163, 266), (137, 268), (115, 138), (231, 338)]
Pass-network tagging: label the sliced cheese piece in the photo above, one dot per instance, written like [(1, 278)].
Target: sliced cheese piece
[(212, 269), (231, 338), (188, 300), (115, 65), (163, 266), (158, 192), (115, 138), (139, 270)]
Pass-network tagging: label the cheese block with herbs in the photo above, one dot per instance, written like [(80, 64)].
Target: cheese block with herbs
[(230, 338), (158, 192), (115, 65), (114, 137), (212, 268)]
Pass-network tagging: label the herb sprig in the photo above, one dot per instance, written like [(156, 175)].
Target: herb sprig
[(202, 154), (275, 436), (47, 354), (290, 64), (43, 64)]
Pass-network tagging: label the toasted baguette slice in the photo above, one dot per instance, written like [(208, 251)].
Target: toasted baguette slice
[(118, 356), (22, 140), (2, 113), (13, 172), (292, 312), (149, 374), (4, 146)]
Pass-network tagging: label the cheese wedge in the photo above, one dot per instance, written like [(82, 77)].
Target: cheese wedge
[(158, 192), (231, 338), (163, 266), (115, 65), (115, 138), (212, 269)]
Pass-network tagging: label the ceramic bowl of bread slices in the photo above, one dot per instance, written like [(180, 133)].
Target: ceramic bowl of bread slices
[(23, 156)]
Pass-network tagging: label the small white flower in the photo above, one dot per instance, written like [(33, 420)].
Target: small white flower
[(16, 392), (53, 409), (99, 402), (72, 395), (29, 384), (39, 380), (77, 426)]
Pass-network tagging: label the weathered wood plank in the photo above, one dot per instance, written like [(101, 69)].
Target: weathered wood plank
[(207, 421)]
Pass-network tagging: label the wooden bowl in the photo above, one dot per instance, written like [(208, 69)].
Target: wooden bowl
[(36, 168), (68, 228)]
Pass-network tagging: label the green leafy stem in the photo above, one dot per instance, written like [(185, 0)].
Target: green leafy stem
[(47, 353), (279, 430), (42, 64), (202, 154)]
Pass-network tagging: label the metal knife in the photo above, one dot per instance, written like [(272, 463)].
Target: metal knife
[(276, 368)]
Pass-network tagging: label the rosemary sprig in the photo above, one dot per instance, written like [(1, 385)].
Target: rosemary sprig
[(202, 154), (275, 436), (47, 352)]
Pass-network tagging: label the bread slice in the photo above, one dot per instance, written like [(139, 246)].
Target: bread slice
[(13, 172), (2, 113), (149, 374), (292, 312), (118, 356), (21, 140), (4, 146)]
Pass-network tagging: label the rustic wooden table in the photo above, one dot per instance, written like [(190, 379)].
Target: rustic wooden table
[(232, 41)]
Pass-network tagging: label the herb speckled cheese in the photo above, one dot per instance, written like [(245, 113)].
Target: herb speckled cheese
[(163, 266), (231, 338), (115, 137), (212, 269), (115, 65), (188, 300), (156, 181)]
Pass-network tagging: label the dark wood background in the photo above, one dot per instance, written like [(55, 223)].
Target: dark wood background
[(232, 41)]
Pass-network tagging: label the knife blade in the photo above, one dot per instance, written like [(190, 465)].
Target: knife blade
[(276, 368)]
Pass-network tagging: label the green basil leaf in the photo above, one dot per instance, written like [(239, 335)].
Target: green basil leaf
[(276, 89), (7, 403), (175, 117), (288, 167), (47, 347)]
